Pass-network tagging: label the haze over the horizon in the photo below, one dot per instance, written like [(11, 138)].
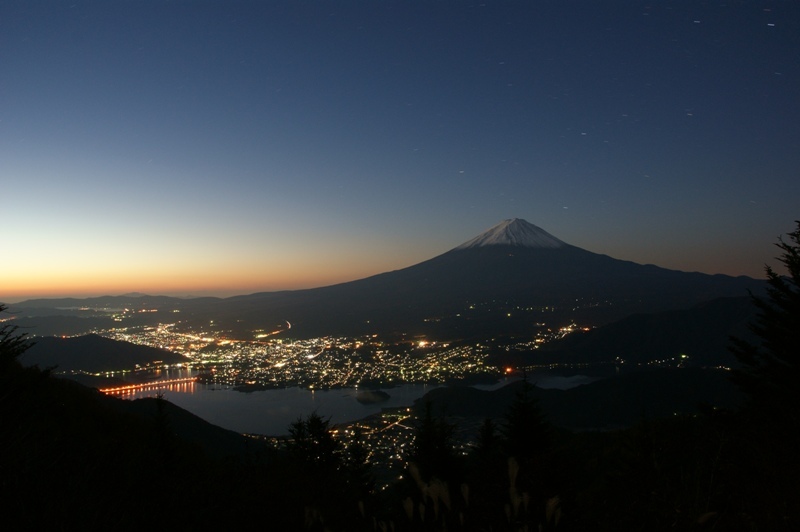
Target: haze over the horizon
[(220, 148)]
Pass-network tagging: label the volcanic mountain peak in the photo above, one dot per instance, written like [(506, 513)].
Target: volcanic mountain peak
[(514, 232)]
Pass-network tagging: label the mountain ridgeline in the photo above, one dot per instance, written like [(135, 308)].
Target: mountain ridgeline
[(94, 353), (502, 282)]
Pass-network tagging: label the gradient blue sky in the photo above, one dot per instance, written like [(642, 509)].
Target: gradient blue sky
[(231, 147)]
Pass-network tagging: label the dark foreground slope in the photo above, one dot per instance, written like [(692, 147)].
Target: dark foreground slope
[(73, 459)]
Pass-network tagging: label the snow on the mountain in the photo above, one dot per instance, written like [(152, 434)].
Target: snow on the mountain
[(514, 232)]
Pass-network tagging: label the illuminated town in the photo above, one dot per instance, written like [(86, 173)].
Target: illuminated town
[(327, 362)]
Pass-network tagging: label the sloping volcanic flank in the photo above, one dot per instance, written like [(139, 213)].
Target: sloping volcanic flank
[(577, 283)]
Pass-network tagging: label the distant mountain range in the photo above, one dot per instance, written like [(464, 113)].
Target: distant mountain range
[(502, 282)]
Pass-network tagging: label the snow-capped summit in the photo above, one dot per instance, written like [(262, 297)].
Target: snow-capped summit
[(514, 232)]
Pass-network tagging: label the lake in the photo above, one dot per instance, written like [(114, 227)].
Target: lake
[(271, 412)]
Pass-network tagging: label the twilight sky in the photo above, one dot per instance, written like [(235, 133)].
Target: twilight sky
[(223, 147)]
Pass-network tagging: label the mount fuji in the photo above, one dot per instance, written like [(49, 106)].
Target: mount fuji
[(507, 281), (503, 281), (514, 232)]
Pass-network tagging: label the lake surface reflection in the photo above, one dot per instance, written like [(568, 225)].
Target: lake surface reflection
[(271, 412)]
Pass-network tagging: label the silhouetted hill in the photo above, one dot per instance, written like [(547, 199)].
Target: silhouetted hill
[(93, 353), (214, 440), (612, 402), (702, 332), (134, 301), (61, 325), (73, 316), (74, 459)]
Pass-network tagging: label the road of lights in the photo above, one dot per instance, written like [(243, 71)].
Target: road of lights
[(146, 386)]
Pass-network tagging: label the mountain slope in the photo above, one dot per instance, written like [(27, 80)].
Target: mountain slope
[(93, 353), (514, 232), (617, 401), (514, 268), (502, 282), (702, 333)]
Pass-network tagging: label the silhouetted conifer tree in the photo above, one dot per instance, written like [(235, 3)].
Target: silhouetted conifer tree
[(527, 443), (357, 468), (433, 450), (313, 444), (12, 343), (318, 481), (771, 367), (487, 478), (488, 442), (767, 466), (525, 430)]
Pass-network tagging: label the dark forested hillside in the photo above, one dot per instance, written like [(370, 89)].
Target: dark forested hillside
[(613, 402), (702, 333), (93, 353)]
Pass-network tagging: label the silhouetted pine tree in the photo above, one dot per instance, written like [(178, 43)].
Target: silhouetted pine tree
[(771, 368), (527, 443), (433, 450), (768, 467), (313, 444), (525, 431), (12, 343), (487, 477), (323, 493), (488, 444), (357, 469)]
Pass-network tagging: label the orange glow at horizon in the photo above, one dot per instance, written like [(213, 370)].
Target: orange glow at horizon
[(214, 282), (103, 262)]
